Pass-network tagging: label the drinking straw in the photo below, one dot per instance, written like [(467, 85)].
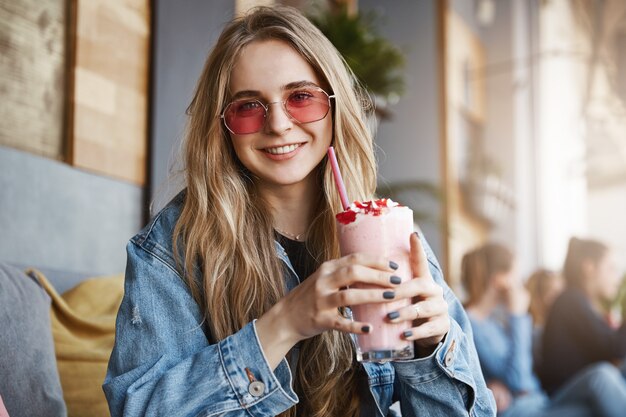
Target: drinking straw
[(338, 179)]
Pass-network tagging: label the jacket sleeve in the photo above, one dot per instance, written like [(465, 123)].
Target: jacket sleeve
[(449, 382), (162, 363), (505, 352)]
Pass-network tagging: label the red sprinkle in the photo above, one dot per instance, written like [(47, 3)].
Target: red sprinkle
[(374, 208), (346, 217)]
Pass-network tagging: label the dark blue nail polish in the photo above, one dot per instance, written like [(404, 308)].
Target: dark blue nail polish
[(393, 315), (407, 333), (393, 265), (365, 329), (395, 279), (389, 295)]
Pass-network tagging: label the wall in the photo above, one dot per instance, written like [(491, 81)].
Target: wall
[(562, 189), (499, 132), (510, 126), (184, 33), (606, 208), (32, 75), (409, 143), (508, 132), (53, 216)]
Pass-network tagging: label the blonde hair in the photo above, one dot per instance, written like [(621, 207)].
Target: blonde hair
[(225, 231), (480, 265)]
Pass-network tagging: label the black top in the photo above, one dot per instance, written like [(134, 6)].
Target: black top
[(575, 336), (301, 259)]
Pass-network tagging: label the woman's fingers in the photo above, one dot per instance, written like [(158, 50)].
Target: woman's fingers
[(344, 324), (422, 310), (359, 268), (418, 259), (371, 261), (429, 332), (358, 274), (355, 279), (357, 296), (420, 288), (428, 312)]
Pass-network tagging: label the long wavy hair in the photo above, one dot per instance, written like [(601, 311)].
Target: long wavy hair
[(224, 237), (480, 265)]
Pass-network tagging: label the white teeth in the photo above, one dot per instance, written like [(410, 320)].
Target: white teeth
[(283, 149)]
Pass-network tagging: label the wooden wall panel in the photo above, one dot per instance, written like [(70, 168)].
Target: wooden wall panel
[(109, 96), (32, 75), (464, 114), (242, 6)]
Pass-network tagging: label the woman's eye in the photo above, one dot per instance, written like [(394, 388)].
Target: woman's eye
[(300, 97), (248, 106)]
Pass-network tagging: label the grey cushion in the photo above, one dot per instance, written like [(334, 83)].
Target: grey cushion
[(29, 380), (61, 280)]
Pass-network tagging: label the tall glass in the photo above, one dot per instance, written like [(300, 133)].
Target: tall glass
[(379, 227)]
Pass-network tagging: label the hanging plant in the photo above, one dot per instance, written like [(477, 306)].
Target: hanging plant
[(376, 62)]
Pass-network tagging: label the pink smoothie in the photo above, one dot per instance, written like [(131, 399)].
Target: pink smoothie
[(380, 227)]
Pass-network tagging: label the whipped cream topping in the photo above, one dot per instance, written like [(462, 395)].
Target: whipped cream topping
[(371, 207)]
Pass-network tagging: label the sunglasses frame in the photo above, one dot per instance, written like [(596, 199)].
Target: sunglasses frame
[(266, 107)]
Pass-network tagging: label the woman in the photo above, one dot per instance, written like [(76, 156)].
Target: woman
[(577, 332), (233, 292), (497, 305), (543, 286), (498, 309)]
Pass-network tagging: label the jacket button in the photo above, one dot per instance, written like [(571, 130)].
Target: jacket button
[(256, 388), (450, 355)]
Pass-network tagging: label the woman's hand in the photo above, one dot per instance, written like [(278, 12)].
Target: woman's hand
[(501, 394), (518, 299), (313, 306), (429, 311)]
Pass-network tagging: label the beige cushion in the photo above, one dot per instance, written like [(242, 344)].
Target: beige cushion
[(83, 328)]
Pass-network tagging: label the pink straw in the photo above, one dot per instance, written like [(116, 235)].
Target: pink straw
[(338, 179)]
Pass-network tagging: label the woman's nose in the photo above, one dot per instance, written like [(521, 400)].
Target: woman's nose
[(277, 120)]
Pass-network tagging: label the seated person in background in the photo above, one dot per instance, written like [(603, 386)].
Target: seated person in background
[(497, 306), (543, 286), (577, 332)]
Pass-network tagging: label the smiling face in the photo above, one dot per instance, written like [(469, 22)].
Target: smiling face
[(284, 153)]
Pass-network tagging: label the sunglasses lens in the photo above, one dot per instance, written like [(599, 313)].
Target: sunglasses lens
[(244, 116), (248, 116), (307, 106)]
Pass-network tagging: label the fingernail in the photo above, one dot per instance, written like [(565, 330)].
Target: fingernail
[(407, 333), (395, 279), (393, 315), (417, 234), (388, 295), (393, 265), (365, 329)]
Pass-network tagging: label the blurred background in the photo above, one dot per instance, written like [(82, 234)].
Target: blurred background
[(497, 119)]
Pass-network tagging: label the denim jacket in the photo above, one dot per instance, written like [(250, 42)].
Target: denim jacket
[(504, 344), (165, 362)]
